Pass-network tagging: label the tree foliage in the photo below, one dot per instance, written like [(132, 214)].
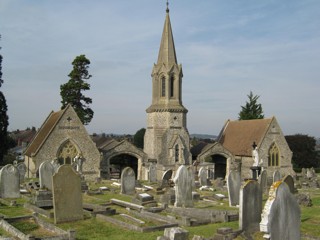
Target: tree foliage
[(4, 119), (138, 138), (252, 109), (71, 92), (303, 149)]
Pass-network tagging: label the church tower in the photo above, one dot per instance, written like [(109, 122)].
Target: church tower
[(166, 139)]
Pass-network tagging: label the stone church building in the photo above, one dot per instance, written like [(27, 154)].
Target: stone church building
[(62, 136)]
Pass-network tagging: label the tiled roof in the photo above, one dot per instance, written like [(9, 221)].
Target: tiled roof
[(238, 136), (44, 132)]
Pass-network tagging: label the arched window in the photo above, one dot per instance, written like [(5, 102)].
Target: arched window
[(176, 154), (172, 86), (274, 156), (163, 87), (67, 153)]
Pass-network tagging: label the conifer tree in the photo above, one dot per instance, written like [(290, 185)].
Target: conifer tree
[(71, 92), (4, 119), (252, 109)]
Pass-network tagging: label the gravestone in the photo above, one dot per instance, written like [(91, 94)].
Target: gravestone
[(9, 182), (46, 171), (184, 182), (290, 182), (176, 233), (234, 185), (281, 214), (128, 181), (304, 173), (203, 178), (152, 172), (165, 180), (22, 169), (250, 206), (67, 196), (263, 180), (276, 176)]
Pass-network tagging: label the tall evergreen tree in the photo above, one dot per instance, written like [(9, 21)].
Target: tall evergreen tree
[(4, 119), (252, 109), (71, 92), (138, 138)]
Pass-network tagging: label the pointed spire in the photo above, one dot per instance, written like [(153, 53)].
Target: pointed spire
[(167, 52)]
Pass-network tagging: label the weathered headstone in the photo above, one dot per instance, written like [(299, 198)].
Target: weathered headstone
[(9, 182), (128, 181), (281, 214), (184, 182), (290, 182), (304, 173), (167, 175), (250, 206), (176, 233), (67, 196), (22, 169), (46, 171), (263, 180), (203, 176), (152, 172), (234, 185), (276, 176)]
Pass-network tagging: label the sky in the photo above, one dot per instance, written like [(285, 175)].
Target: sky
[(227, 48)]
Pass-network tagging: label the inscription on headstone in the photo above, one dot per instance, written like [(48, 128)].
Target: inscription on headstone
[(46, 171)]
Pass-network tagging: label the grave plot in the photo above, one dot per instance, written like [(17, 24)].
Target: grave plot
[(26, 226), (133, 217)]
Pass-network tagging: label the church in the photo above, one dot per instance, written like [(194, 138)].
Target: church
[(166, 141)]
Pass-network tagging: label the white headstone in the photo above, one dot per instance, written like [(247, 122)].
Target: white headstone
[(152, 172), (203, 176), (9, 182), (46, 171), (234, 185), (281, 214), (22, 169), (184, 182), (128, 181)]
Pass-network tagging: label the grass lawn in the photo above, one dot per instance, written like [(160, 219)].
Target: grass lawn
[(92, 228)]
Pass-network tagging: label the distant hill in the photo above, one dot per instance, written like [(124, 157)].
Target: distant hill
[(203, 136)]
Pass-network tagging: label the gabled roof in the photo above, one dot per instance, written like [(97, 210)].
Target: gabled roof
[(238, 136), (167, 51), (44, 132)]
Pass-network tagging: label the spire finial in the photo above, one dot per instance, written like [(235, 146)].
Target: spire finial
[(167, 10)]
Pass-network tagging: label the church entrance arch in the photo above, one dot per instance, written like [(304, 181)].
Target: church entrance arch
[(121, 161), (220, 165)]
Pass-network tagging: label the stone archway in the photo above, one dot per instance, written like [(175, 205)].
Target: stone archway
[(216, 157), (121, 161)]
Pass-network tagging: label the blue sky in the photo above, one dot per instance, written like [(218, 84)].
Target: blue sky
[(227, 48)]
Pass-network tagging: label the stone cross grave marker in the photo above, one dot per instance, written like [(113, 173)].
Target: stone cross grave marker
[(167, 175), (9, 182), (263, 180), (22, 169), (250, 206), (203, 176), (128, 181), (46, 171), (281, 214), (276, 176), (184, 182), (234, 185), (290, 182), (67, 196)]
